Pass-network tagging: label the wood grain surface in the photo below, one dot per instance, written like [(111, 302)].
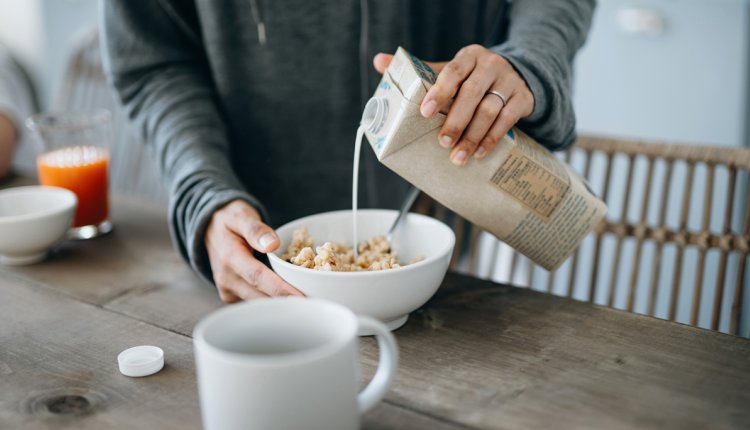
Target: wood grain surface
[(478, 355), (58, 370), (136, 256), (496, 357), (58, 367)]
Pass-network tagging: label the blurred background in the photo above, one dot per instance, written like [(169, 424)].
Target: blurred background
[(667, 70), (42, 35), (652, 70)]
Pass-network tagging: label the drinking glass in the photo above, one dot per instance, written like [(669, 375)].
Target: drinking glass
[(73, 154)]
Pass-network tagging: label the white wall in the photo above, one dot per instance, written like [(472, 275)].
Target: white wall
[(65, 22), (21, 31), (41, 33), (674, 71)]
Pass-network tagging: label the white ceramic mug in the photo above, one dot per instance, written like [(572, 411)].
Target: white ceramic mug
[(287, 363)]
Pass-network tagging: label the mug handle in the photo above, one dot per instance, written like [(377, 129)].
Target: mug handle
[(387, 364)]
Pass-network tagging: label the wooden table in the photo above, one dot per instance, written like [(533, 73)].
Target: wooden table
[(478, 355)]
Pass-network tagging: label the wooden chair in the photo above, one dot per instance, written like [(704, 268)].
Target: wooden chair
[(677, 234), (84, 87)]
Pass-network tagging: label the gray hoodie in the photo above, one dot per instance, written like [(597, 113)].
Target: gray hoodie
[(230, 115)]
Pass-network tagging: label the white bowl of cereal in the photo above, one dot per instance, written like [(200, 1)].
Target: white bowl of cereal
[(400, 284)]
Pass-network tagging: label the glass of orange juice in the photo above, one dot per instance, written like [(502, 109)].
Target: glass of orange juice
[(74, 154)]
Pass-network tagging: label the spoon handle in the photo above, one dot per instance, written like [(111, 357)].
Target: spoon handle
[(405, 206)]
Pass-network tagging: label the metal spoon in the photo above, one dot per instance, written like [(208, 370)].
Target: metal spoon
[(405, 206), (411, 196)]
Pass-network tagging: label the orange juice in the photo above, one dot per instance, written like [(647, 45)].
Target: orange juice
[(83, 170)]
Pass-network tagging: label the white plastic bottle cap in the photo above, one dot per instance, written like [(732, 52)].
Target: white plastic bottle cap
[(375, 114), (141, 360)]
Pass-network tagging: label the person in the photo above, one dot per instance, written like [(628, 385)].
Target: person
[(17, 102), (251, 106)]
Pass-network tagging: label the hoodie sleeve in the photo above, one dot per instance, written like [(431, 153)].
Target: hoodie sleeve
[(543, 38), (154, 59)]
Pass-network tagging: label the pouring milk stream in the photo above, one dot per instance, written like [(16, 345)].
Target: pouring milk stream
[(519, 192)]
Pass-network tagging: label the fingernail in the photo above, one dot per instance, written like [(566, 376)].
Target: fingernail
[(459, 158), (428, 109), (266, 240), (480, 152), (446, 141)]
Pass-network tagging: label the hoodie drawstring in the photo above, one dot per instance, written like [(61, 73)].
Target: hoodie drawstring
[(257, 11)]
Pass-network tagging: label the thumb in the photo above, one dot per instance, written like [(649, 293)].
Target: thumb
[(260, 236), (381, 62), (240, 218), (266, 239)]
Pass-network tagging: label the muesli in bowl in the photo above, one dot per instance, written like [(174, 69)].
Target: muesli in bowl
[(373, 254), (389, 295)]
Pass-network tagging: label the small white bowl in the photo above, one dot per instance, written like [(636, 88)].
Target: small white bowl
[(32, 220), (388, 295)]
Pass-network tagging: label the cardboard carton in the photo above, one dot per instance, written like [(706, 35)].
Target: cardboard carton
[(519, 192)]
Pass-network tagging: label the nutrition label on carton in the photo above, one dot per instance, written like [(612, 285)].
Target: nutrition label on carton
[(531, 183)]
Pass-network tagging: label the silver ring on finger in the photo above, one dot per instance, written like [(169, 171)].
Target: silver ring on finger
[(499, 95)]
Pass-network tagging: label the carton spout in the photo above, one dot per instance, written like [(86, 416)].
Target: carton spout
[(375, 114)]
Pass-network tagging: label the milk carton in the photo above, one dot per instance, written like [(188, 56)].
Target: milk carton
[(519, 191)]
